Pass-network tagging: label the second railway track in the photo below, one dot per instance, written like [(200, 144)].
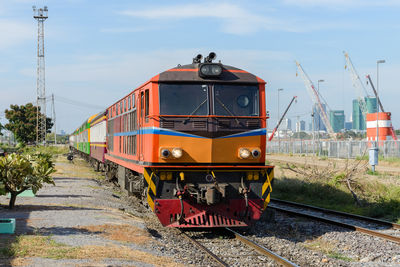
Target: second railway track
[(367, 225)]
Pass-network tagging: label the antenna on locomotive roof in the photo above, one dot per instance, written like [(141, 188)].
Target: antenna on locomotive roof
[(197, 59), (210, 57)]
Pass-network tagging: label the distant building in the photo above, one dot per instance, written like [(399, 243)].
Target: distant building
[(348, 125), (300, 126), (286, 124), (63, 132), (358, 118), (336, 118), (318, 122), (371, 104)]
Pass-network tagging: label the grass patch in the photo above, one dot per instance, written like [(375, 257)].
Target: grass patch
[(52, 150), (339, 256), (124, 232), (391, 160), (79, 169), (370, 172), (382, 201), (328, 248), (45, 247), (370, 194)]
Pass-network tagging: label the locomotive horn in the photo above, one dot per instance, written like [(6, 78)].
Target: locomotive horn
[(197, 59), (210, 57)]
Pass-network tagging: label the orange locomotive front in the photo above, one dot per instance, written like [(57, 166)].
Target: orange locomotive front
[(192, 142)]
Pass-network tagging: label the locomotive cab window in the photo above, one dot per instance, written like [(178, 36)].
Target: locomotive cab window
[(141, 104), (147, 100), (183, 99)]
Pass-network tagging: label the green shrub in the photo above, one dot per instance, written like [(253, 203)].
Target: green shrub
[(20, 172)]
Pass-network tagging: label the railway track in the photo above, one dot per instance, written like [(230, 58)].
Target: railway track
[(345, 220), (232, 260)]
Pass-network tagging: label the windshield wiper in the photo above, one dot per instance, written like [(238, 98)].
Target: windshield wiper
[(194, 111), (227, 109)]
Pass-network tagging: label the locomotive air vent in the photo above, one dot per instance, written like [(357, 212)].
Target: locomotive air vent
[(253, 124), (199, 124), (224, 123), (167, 124)]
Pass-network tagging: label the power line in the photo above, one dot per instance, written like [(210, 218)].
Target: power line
[(77, 103)]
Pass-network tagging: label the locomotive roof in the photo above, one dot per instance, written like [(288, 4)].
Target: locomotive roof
[(190, 73)]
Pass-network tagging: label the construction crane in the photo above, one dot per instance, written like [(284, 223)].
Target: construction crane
[(315, 98), (357, 84), (393, 133), (280, 120)]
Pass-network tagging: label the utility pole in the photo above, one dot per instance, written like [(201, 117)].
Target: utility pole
[(40, 15), (279, 138), (54, 119)]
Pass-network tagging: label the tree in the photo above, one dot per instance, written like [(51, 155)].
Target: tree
[(301, 135), (22, 122), (1, 129), (19, 173)]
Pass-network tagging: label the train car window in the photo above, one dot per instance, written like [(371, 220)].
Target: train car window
[(129, 102), (236, 100), (133, 101), (183, 99), (147, 100)]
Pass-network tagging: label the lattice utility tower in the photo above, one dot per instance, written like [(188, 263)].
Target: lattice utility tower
[(40, 15)]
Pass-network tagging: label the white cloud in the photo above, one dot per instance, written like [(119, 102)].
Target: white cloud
[(342, 3), (14, 33), (131, 29), (235, 19)]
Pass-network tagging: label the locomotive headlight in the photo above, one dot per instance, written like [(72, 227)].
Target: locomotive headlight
[(165, 153), (256, 152), (244, 153), (216, 69), (210, 70), (177, 152)]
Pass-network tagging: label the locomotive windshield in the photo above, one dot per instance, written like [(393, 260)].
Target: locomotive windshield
[(194, 99), (236, 100), (183, 99)]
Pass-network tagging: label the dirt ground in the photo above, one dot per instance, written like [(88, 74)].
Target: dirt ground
[(77, 222)]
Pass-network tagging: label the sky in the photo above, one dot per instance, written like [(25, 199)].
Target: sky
[(98, 51)]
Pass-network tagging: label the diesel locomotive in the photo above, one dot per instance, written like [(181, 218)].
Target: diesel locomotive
[(191, 141)]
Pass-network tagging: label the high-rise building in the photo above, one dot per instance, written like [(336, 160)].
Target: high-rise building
[(371, 104), (286, 124), (300, 126), (348, 125), (336, 118), (358, 117), (318, 122)]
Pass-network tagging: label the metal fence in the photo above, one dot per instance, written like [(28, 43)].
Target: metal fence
[(333, 149)]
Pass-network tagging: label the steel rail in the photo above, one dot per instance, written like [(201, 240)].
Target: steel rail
[(341, 224), (212, 255), (334, 212), (262, 249)]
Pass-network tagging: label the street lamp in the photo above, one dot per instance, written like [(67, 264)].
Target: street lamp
[(374, 152), (377, 99), (279, 139)]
